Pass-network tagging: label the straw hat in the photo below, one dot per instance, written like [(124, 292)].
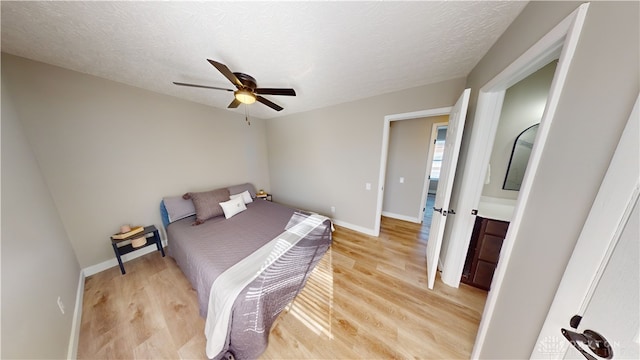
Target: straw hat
[(138, 242)]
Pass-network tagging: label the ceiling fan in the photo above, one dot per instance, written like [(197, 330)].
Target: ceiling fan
[(247, 91)]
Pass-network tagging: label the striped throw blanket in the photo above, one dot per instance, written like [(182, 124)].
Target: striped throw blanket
[(230, 284)]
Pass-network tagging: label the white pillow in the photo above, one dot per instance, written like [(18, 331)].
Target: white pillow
[(245, 196), (233, 207)]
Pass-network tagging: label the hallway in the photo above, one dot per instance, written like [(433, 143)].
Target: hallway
[(428, 215)]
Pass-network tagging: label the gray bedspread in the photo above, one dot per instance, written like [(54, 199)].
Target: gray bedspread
[(205, 251)]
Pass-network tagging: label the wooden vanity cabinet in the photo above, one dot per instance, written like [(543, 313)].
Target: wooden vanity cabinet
[(484, 251)]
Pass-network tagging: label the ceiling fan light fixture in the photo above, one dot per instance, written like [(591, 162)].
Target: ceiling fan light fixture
[(247, 88), (245, 96)]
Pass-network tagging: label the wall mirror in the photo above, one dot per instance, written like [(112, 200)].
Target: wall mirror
[(520, 158)]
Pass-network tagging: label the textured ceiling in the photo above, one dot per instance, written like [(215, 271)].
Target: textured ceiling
[(329, 52)]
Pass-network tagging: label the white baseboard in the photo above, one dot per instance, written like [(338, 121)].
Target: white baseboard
[(72, 352), (412, 219), (355, 227), (74, 338), (94, 269)]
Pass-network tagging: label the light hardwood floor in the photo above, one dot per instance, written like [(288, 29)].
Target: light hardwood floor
[(367, 298)]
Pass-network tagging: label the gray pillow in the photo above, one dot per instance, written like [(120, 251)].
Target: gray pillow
[(178, 207), (207, 203), (237, 189)]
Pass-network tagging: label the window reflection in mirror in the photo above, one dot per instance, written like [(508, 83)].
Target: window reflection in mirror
[(520, 158)]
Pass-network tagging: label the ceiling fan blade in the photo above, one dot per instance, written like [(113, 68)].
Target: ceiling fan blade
[(234, 104), (269, 103), (226, 72), (201, 86), (272, 91)]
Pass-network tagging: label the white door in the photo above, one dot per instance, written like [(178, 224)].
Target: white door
[(445, 183), (601, 283), (613, 310)]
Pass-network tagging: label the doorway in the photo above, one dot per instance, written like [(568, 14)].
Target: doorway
[(410, 158), (434, 159), (385, 153), (522, 110), (457, 116)]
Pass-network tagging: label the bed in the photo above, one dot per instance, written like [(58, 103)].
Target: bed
[(245, 268)]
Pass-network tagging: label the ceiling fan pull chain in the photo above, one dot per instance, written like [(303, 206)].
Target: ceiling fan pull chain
[(246, 117)]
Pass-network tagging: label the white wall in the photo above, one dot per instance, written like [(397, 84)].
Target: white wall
[(409, 142), (109, 152), (523, 106), (324, 157), (38, 261), (598, 96)]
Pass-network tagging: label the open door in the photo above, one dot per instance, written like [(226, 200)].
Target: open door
[(595, 311), (445, 183)]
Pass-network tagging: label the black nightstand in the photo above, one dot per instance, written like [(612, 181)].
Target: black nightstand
[(125, 249), (267, 197)]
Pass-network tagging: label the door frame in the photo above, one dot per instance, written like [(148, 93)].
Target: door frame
[(559, 43), (427, 175), (385, 151)]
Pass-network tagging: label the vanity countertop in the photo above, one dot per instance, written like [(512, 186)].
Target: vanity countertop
[(496, 208)]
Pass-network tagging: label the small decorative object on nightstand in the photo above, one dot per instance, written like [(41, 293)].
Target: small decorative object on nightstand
[(140, 237), (261, 194)]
